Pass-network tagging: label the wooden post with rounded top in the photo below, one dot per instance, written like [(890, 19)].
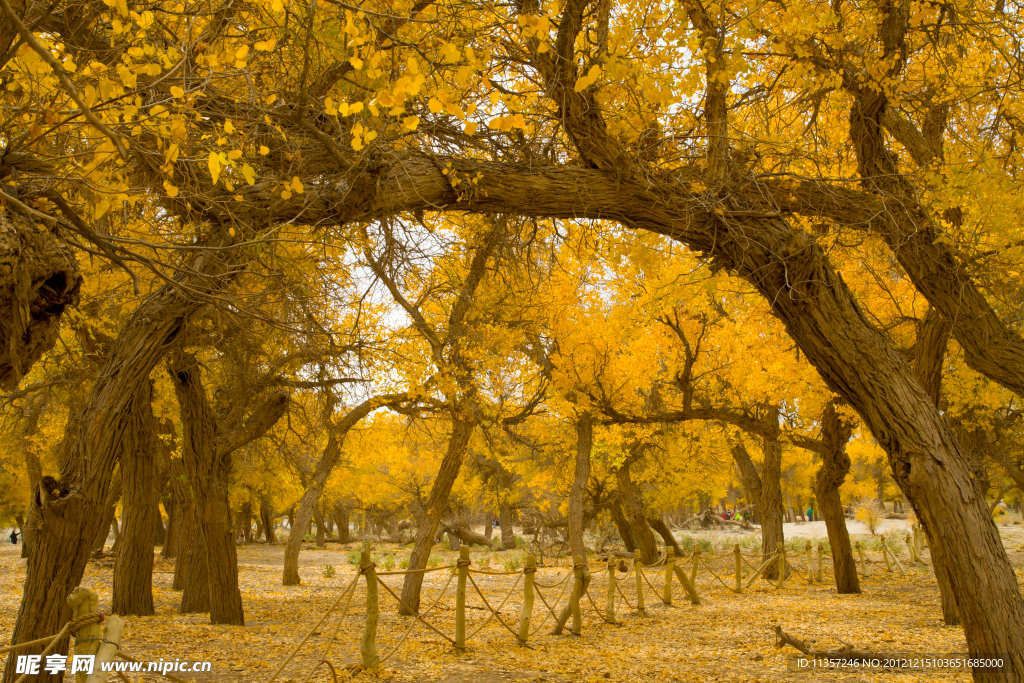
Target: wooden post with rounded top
[(524, 618), (460, 599), (368, 646), (670, 563), (638, 570), (739, 567), (609, 603)]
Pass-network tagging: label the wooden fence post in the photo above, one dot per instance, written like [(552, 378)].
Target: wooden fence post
[(670, 563), (912, 547), (696, 563), (885, 554), (113, 626), (810, 563), (781, 552), (85, 601), (739, 567), (609, 603), (821, 562), (460, 599), (524, 617), (368, 646), (577, 594), (638, 569), (863, 562)]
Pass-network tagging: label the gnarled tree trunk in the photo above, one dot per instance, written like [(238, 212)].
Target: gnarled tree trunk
[(834, 467), (581, 475), (633, 512), (437, 501), (133, 568)]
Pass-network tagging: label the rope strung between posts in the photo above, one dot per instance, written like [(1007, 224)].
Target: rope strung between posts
[(657, 591), (349, 587), (494, 613), (414, 623), (334, 636), (72, 625), (719, 578), (551, 611), (413, 612), (425, 570), (552, 585)]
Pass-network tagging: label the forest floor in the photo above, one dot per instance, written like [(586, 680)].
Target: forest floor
[(728, 637)]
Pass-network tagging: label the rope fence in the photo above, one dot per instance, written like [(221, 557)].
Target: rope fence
[(580, 590), (634, 586)]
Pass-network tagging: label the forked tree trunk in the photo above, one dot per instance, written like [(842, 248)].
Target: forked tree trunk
[(508, 534), (581, 475), (437, 501), (133, 568), (633, 511), (310, 501), (834, 468)]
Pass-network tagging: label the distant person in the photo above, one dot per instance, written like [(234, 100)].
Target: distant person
[(14, 536), (810, 514)]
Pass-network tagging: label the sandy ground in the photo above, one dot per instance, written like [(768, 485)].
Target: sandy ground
[(728, 637)]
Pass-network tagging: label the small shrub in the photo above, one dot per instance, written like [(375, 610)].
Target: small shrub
[(705, 545), (403, 563), (686, 542), (434, 560), (388, 562), (353, 557), (328, 571), (512, 563), (869, 512)]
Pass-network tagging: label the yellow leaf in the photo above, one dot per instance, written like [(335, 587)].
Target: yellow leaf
[(411, 122), (102, 209), (69, 65), (241, 52), (435, 105), (286, 194), (231, 231), (297, 185), (177, 92), (356, 62), (589, 79), (268, 45), (249, 174), (214, 163), (229, 127), (264, 150)]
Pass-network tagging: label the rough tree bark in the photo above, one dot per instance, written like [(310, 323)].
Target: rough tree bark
[(109, 507), (834, 467), (341, 514), (632, 502), (39, 278), (659, 525), (28, 428), (267, 519), (619, 519), (133, 568), (206, 454), (506, 518), (767, 491), (437, 500), (581, 475)]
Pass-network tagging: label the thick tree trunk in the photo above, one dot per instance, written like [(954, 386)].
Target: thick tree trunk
[(508, 535), (133, 568), (29, 427), (174, 527), (581, 475), (765, 487), (159, 531), (632, 503), (266, 517), (437, 501), (619, 519), (341, 514), (195, 596), (834, 468)]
